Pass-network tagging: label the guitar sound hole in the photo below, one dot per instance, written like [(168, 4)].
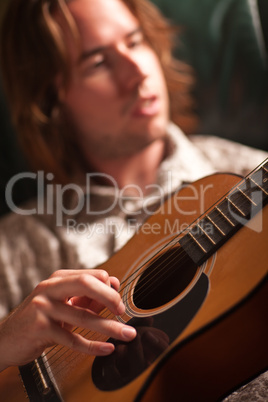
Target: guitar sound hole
[(164, 279)]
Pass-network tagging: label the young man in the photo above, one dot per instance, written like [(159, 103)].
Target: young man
[(92, 87)]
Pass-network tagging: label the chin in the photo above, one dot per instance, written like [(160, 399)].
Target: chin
[(142, 143), (158, 129)]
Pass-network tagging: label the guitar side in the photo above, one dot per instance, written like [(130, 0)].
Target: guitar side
[(11, 386)]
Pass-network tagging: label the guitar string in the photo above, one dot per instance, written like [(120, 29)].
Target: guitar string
[(173, 246), (153, 257), (174, 241), (222, 218), (148, 290), (108, 311), (55, 365), (250, 173), (75, 353), (95, 338), (80, 332), (140, 267), (127, 279)]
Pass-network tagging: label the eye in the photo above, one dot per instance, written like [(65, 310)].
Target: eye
[(94, 63), (135, 40), (98, 64)]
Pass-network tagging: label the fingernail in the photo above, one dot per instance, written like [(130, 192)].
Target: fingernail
[(121, 308), (128, 333), (107, 348)]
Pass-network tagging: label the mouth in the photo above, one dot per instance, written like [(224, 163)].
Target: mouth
[(146, 107)]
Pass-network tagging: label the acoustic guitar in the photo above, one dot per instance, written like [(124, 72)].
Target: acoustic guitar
[(194, 282)]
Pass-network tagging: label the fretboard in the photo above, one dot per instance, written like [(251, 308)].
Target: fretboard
[(228, 216)]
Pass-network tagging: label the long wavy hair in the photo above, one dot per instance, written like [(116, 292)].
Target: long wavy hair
[(33, 54)]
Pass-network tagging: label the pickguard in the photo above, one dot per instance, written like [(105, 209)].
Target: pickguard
[(154, 335)]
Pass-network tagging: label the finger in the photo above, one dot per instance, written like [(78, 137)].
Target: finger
[(100, 274), (82, 285), (83, 318), (93, 305), (86, 303), (78, 343), (114, 283)]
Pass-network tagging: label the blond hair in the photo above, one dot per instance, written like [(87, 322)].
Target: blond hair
[(33, 53)]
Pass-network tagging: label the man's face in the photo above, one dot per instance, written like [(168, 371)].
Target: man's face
[(117, 99)]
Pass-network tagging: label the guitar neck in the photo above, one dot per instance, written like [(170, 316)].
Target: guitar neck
[(232, 212)]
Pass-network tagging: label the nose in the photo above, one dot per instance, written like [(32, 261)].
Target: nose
[(129, 72)]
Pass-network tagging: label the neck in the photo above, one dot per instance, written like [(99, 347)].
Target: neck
[(137, 171)]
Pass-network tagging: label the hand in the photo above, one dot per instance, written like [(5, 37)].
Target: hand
[(69, 298)]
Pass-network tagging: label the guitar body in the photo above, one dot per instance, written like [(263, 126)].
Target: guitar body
[(11, 386), (213, 315)]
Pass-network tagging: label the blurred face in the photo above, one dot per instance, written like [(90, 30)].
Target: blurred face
[(117, 99)]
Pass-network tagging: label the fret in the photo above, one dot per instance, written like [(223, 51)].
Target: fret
[(191, 247), (225, 217), (209, 235), (264, 168), (245, 195), (265, 178), (260, 178), (235, 206), (253, 190), (197, 242), (206, 234), (216, 226), (260, 187), (248, 188), (218, 219), (203, 240), (241, 203)]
